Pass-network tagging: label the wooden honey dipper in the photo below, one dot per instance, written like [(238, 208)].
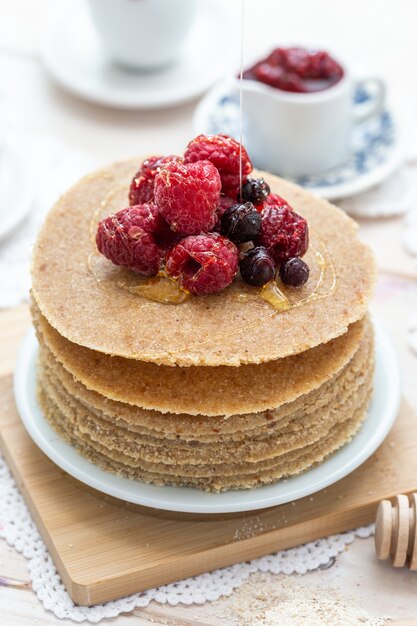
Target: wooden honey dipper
[(396, 531)]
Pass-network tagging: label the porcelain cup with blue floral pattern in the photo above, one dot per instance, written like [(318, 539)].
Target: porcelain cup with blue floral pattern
[(302, 134)]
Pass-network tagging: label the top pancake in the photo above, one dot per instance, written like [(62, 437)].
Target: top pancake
[(79, 292)]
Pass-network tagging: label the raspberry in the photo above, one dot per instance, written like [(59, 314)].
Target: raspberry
[(231, 185), (274, 198), (143, 182), (203, 264), (188, 195), (284, 233), (130, 238), (271, 198), (224, 203), (225, 153), (164, 236)]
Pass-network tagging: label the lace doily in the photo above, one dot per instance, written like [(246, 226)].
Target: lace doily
[(54, 166), (19, 530)]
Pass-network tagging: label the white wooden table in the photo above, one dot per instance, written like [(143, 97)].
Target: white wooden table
[(381, 33)]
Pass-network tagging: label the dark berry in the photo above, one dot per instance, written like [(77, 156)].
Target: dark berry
[(203, 264), (255, 190), (284, 233), (257, 267), (294, 272), (276, 200), (241, 222)]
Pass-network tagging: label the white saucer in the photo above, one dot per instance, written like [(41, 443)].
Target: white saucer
[(382, 413), (15, 188), (377, 145), (75, 58)]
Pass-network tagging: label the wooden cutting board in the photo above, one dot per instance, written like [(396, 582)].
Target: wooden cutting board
[(105, 548)]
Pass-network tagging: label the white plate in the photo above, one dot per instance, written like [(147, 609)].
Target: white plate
[(377, 145), (75, 58), (381, 417), (15, 188)]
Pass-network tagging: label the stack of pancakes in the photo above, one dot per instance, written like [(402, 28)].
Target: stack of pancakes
[(217, 392)]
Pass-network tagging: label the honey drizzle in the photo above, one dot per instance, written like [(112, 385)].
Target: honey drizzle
[(158, 288), (277, 298)]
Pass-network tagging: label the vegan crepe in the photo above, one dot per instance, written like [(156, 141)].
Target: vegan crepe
[(218, 392), (89, 308), (201, 390)]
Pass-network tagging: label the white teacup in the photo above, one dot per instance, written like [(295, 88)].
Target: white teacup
[(301, 134), (143, 34)]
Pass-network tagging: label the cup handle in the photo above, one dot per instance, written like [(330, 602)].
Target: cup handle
[(373, 104)]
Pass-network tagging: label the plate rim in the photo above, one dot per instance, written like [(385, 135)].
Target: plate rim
[(331, 192), (386, 359), (54, 67)]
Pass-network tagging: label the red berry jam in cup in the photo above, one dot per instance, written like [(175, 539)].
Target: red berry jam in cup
[(299, 70)]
